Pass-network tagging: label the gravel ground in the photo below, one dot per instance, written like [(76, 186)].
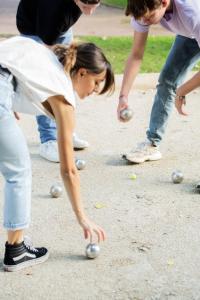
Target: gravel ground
[(152, 224)]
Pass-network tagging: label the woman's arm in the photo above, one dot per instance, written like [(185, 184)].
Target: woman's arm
[(65, 121)]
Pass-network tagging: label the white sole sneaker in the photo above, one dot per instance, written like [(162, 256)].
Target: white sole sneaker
[(78, 143), (26, 264), (156, 156), (143, 152), (49, 151)]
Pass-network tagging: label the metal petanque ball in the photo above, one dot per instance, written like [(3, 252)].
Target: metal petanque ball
[(177, 176), (56, 191), (126, 114), (80, 164), (92, 250), (197, 187)]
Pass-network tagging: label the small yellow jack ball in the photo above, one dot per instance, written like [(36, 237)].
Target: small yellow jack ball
[(133, 176)]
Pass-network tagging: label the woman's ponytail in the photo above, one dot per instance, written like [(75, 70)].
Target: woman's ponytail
[(66, 55)]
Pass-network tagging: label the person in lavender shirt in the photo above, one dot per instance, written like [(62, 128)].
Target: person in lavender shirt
[(182, 18)]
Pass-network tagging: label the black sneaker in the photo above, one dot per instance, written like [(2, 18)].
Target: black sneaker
[(23, 255)]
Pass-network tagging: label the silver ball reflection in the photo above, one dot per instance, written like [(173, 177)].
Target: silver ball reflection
[(55, 191), (80, 164), (92, 250), (126, 114), (197, 187), (177, 176)]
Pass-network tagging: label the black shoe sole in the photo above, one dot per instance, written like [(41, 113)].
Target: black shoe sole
[(26, 264)]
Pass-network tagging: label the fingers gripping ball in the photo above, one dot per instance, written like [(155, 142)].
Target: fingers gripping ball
[(92, 250)]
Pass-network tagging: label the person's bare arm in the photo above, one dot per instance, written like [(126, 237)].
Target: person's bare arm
[(132, 68), (185, 89), (65, 121)]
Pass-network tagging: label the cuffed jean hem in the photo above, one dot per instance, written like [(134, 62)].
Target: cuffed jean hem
[(47, 140), (15, 227), (153, 142)]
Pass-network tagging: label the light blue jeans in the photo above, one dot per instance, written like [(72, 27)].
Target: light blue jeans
[(184, 54), (47, 126), (15, 163)]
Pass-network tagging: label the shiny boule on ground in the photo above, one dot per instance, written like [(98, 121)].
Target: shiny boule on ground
[(92, 250), (197, 187), (56, 190), (126, 114), (177, 176), (80, 164)]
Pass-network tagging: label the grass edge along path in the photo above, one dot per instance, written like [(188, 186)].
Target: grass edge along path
[(117, 50), (115, 3)]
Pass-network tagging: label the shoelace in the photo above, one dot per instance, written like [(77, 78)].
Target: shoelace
[(141, 146), (28, 244)]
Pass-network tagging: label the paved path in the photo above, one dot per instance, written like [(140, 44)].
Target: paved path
[(152, 249)]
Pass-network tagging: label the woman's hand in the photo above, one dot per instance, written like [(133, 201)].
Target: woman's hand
[(179, 104), (90, 229), (123, 104)]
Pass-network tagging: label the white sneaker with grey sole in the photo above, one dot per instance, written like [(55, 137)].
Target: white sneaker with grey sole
[(143, 152), (49, 151), (78, 143)]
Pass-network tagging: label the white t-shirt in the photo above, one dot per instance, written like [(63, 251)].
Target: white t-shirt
[(38, 73), (183, 20)]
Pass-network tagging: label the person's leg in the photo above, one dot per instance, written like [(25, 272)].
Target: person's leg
[(184, 54), (16, 169), (48, 137), (46, 128)]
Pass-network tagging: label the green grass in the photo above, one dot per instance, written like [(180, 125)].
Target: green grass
[(115, 3), (117, 50)]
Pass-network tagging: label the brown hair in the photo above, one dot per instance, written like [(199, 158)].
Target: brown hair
[(138, 8), (88, 56)]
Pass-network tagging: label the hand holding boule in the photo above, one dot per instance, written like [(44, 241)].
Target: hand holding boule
[(126, 114)]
